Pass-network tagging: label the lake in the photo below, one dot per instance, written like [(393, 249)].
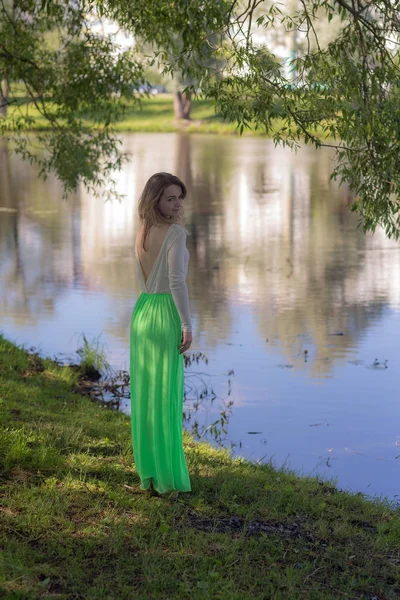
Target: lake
[(296, 312)]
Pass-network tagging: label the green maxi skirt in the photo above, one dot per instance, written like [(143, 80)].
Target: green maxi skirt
[(156, 385)]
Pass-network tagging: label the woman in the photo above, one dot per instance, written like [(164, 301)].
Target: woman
[(160, 331)]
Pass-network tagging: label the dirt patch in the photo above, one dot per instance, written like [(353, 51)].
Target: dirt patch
[(234, 524), (19, 474), (35, 365)]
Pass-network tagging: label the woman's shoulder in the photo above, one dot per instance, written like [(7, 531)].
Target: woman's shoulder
[(179, 229)]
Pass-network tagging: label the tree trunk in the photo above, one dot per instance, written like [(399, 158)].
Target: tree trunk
[(182, 105), (4, 90), (4, 87)]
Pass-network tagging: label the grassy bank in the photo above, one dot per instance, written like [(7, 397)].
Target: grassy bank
[(74, 523), (156, 115)]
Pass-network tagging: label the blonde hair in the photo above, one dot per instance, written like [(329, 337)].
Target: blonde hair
[(149, 214)]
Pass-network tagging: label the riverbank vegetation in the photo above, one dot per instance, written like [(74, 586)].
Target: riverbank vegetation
[(75, 524)]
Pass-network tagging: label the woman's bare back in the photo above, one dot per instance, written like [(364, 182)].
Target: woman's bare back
[(154, 242)]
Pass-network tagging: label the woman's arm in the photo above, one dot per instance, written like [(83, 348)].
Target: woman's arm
[(177, 279)]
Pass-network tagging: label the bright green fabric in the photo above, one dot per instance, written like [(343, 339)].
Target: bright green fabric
[(156, 384)]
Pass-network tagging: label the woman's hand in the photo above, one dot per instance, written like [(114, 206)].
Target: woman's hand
[(185, 341)]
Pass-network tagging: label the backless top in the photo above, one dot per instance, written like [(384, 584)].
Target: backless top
[(169, 272)]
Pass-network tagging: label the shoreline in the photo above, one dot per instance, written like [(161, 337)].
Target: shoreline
[(75, 523)]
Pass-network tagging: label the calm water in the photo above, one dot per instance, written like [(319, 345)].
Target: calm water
[(278, 269)]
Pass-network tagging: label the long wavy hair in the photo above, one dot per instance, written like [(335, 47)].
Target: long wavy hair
[(149, 213)]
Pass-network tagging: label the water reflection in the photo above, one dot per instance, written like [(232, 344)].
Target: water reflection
[(267, 230), (277, 263)]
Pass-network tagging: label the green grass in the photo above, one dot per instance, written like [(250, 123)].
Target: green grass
[(156, 114), (75, 525), (92, 359)]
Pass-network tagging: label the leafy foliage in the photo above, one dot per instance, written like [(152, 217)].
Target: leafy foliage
[(348, 85), (71, 75)]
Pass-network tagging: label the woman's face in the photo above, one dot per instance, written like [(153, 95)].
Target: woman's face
[(170, 203)]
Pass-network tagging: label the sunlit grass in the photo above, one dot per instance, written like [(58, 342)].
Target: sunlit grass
[(92, 358), (156, 114), (75, 524)]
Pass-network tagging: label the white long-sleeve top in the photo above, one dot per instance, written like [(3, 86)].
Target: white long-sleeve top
[(169, 272)]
